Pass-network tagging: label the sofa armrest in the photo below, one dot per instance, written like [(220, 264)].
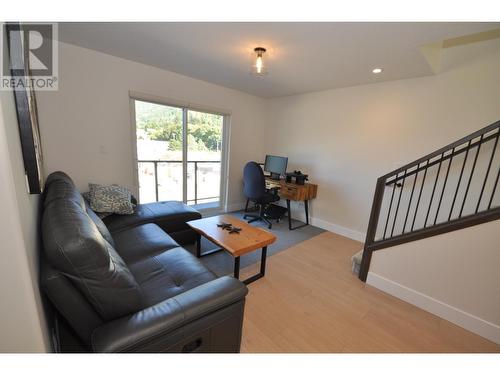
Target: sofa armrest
[(133, 331)]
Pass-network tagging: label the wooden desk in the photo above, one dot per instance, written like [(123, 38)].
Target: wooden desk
[(294, 192)]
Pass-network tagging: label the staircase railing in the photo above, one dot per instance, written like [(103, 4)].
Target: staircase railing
[(449, 189)]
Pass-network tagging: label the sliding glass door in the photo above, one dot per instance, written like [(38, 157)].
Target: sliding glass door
[(179, 154), (204, 156)]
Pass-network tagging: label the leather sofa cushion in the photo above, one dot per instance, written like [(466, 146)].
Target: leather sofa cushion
[(56, 176), (60, 187), (142, 241), (161, 267), (171, 216), (168, 274), (75, 247), (70, 302), (64, 189), (101, 227)]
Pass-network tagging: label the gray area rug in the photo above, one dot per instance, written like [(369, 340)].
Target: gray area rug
[(222, 263)]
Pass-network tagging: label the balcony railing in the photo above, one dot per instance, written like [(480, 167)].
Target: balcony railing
[(196, 164)]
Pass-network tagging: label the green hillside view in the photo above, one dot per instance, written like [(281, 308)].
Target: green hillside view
[(162, 123)]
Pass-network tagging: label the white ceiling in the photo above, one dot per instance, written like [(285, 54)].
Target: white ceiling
[(301, 57)]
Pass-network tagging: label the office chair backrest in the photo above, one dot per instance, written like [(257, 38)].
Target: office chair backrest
[(254, 182)]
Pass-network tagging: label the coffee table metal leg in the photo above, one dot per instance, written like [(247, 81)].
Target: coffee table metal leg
[(237, 267), (198, 246), (262, 272), (263, 258), (199, 254)]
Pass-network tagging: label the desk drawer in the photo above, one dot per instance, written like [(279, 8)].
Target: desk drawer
[(289, 192)]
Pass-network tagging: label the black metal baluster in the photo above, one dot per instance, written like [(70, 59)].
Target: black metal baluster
[(488, 171), (390, 207), (470, 177), (433, 190), (459, 180), (419, 196), (397, 207), (494, 189), (156, 178), (195, 182), (444, 185), (411, 197)]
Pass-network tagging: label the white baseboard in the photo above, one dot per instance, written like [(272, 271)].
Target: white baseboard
[(238, 206), (331, 227), (323, 224), (338, 229), (459, 317)]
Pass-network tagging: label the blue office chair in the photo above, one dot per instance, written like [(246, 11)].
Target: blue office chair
[(254, 188)]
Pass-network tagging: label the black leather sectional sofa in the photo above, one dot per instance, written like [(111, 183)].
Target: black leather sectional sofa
[(126, 284)]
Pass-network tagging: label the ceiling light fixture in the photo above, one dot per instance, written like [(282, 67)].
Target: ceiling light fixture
[(377, 70), (259, 67)]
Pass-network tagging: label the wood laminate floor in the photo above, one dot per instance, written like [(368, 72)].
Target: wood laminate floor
[(309, 301)]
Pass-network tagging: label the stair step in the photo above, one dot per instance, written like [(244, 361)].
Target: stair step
[(356, 262)]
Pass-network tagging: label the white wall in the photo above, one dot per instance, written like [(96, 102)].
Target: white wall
[(346, 138), (22, 322), (453, 275), (86, 129)]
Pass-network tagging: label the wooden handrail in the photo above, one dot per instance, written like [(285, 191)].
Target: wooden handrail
[(442, 150), (452, 154)]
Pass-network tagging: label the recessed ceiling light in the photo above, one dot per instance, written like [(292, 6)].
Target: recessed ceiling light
[(377, 70)]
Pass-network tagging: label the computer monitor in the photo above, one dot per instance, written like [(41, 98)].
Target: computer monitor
[(276, 165)]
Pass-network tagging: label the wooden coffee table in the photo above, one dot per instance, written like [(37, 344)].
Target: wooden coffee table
[(247, 240)]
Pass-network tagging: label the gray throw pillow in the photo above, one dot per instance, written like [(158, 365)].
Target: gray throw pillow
[(110, 199), (101, 215)]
